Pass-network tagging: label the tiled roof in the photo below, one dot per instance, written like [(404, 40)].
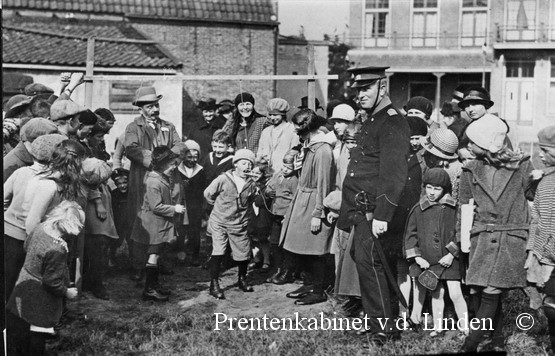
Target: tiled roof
[(221, 10), (64, 42)]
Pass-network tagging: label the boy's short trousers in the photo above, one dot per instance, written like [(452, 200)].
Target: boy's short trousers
[(235, 235), (157, 249)]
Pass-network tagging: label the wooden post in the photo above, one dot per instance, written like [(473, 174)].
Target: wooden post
[(311, 83), (438, 92), (89, 72)]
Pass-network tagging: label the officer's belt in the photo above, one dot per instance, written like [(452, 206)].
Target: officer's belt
[(497, 227)]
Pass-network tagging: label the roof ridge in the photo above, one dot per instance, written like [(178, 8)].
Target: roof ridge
[(65, 35)]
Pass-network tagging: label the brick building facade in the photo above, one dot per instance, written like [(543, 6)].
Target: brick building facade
[(204, 37)]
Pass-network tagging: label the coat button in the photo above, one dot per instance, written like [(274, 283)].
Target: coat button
[(352, 174), (493, 241), (409, 178)]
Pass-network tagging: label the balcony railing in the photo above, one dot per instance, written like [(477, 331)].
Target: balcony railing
[(511, 33), (442, 40)]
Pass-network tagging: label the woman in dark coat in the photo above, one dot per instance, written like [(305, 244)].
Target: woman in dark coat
[(247, 126), (497, 181), (36, 302)]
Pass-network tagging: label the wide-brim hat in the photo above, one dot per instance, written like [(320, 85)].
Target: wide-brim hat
[(16, 105), (146, 95), (442, 143), (475, 96)]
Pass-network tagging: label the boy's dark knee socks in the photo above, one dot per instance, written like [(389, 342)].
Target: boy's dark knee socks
[(215, 262)]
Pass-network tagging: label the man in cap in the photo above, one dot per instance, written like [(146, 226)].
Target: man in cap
[(38, 89), (17, 113), (65, 114), (377, 170), (20, 156), (203, 130), (141, 136)]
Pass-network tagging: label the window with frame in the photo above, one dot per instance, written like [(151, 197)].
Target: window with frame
[(551, 99), (376, 23), (122, 94), (424, 23), (474, 22), (520, 23), (519, 69)]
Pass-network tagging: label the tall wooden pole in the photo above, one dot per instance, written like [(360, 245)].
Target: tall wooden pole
[(89, 72), (311, 83)]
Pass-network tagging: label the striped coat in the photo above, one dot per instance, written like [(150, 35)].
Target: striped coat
[(542, 229)]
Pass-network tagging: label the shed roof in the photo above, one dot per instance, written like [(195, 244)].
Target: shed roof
[(56, 41)]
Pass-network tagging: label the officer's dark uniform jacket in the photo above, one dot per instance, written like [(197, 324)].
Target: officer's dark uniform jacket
[(378, 166)]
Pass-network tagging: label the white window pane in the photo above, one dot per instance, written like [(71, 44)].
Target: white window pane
[(530, 9), (481, 23), (369, 25), (467, 41), (417, 42), (430, 42), (431, 24), (387, 29), (418, 25), (552, 98), (467, 24), (512, 12)]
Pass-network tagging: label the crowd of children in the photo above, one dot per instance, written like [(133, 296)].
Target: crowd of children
[(272, 204)]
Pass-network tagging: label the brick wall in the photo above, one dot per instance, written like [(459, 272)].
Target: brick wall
[(214, 49)]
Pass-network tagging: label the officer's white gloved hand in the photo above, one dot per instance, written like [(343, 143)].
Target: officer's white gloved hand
[(379, 227)]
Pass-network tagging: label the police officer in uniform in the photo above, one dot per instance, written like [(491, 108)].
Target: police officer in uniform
[(378, 167)]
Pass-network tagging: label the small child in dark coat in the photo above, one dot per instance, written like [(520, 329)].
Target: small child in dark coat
[(122, 220), (281, 188), (260, 222), (430, 243)]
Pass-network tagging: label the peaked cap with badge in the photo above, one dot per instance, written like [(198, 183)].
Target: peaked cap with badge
[(365, 76)]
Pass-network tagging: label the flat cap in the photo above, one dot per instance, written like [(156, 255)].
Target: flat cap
[(546, 136), (43, 146), (62, 109), (37, 88), (37, 127)]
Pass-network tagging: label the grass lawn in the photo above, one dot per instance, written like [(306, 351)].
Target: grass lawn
[(125, 325)]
